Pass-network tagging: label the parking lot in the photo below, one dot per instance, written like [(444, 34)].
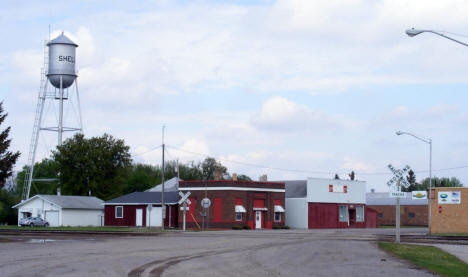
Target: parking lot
[(349, 252)]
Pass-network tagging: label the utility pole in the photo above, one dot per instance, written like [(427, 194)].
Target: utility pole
[(163, 207), (397, 213)]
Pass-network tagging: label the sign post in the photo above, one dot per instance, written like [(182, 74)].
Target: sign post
[(184, 200), (400, 180), (206, 203)]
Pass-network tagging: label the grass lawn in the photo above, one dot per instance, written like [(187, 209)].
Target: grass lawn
[(93, 229), (428, 257), (450, 234)]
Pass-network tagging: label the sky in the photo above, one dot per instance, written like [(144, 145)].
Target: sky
[(292, 89)]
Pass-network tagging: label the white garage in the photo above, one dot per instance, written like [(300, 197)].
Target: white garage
[(63, 210)]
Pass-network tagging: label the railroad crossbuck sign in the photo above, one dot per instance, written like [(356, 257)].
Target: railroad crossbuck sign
[(184, 198), (398, 175)]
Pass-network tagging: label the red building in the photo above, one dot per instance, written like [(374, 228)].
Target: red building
[(139, 209), (235, 203)]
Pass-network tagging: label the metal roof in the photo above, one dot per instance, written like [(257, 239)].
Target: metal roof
[(169, 185), (62, 39), (383, 199), (69, 202), (145, 197), (296, 188)]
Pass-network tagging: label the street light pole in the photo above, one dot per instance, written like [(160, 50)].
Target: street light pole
[(414, 32), (428, 141)]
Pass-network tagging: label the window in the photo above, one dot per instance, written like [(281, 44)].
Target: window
[(277, 217), (119, 212), (380, 215), (344, 217), (359, 213), (238, 216), (411, 215)]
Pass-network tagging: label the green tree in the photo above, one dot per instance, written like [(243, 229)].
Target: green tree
[(442, 182), (243, 177), (208, 167), (8, 215), (337, 177), (142, 177), (352, 175), (45, 169), (99, 164), (7, 158)]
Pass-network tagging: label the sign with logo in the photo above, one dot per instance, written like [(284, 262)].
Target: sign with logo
[(418, 194), (449, 197), (398, 194)]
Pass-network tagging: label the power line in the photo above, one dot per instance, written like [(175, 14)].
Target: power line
[(150, 150)]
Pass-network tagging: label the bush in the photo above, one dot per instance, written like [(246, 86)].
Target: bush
[(276, 227), (236, 227), (285, 227), (246, 227)]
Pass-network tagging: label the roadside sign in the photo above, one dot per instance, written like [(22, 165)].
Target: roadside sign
[(206, 203), (398, 194), (418, 194), (184, 198), (184, 208)]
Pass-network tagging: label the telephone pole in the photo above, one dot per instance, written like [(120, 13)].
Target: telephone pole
[(163, 207)]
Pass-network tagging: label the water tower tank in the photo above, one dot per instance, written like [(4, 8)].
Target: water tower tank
[(61, 61)]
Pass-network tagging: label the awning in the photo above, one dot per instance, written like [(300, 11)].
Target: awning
[(279, 209), (240, 209)]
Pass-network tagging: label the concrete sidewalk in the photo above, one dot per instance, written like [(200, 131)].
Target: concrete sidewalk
[(461, 251)]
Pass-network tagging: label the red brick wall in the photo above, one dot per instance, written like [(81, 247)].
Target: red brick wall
[(386, 215)]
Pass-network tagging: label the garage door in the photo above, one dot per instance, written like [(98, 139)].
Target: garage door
[(52, 217), (155, 219)]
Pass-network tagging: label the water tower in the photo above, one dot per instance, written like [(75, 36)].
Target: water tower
[(58, 70)]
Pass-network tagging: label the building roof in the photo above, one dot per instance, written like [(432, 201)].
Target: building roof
[(169, 185), (62, 39), (383, 199), (69, 201), (295, 188), (145, 197)]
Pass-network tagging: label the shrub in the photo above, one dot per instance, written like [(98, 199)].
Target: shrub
[(246, 227), (236, 227), (276, 227), (285, 227)]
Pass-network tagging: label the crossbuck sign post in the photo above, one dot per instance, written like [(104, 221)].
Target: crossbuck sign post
[(398, 180), (185, 201)]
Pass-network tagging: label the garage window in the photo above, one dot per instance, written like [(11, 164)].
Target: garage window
[(119, 212), (411, 215), (380, 215), (344, 217), (360, 214)]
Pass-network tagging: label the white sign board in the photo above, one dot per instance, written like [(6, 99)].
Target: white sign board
[(418, 194), (397, 194), (449, 197), (206, 203)]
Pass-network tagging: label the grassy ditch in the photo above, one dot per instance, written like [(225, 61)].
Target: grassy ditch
[(428, 257)]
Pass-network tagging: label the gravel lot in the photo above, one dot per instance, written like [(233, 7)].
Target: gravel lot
[(216, 253)]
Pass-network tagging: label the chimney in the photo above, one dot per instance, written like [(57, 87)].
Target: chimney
[(217, 174), (234, 176), (263, 178), (59, 191)]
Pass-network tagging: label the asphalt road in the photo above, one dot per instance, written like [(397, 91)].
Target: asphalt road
[(217, 253)]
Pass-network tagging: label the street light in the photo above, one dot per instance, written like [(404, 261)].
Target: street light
[(428, 141), (414, 32)]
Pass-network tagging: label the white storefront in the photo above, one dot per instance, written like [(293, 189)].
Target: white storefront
[(63, 210)]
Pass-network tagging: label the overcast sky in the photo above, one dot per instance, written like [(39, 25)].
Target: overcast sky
[(304, 88)]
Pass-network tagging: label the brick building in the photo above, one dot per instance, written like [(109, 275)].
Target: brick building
[(235, 203), (413, 212), (449, 210)]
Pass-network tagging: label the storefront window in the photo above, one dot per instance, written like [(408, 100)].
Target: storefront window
[(238, 216), (360, 213), (344, 217), (277, 217)]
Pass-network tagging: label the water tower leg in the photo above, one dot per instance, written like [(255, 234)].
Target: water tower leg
[(60, 127), (79, 105)]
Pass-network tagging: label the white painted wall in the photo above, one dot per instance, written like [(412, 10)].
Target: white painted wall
[(318, 191), (81, 217), (297, 213), (38, 207), (156, 217)]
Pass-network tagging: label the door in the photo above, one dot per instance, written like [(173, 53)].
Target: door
[(352, 217), (139, 217), (258, 219)]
